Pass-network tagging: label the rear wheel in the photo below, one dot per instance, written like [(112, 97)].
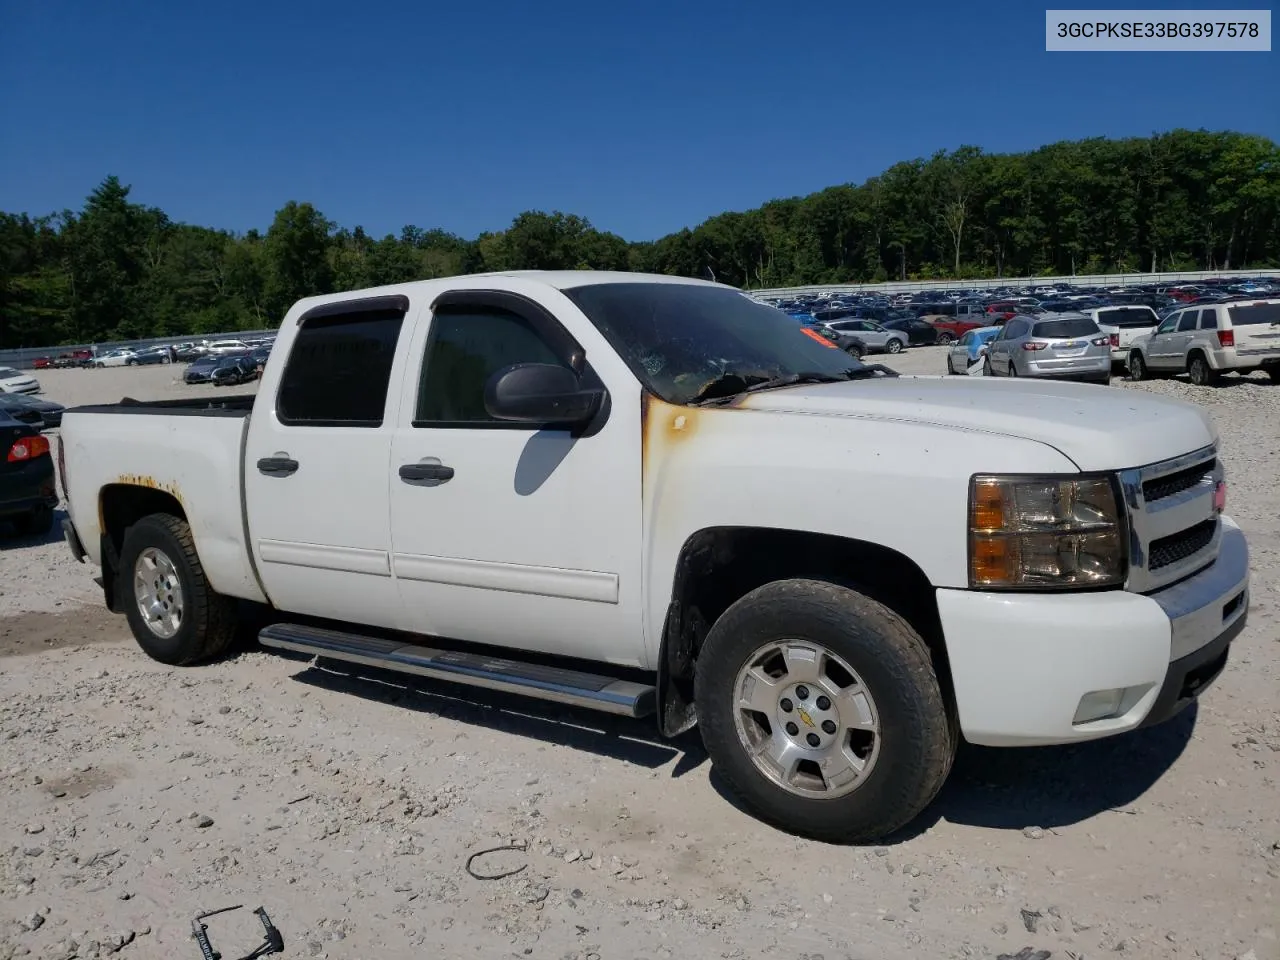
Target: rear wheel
[(1202, 375), (945, 338), (1013, 371), (951, 369), (987, 369), (1137, 367), (821, 709), (1273, 371), (176, 616)]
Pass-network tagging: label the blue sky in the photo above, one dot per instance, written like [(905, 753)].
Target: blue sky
[(642, 117)]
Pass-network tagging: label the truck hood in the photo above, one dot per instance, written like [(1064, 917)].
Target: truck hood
[(1097, 428)]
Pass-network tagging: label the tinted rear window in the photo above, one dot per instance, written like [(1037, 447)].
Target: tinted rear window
[(1246, 316), (1129, 317), (1055, 329)]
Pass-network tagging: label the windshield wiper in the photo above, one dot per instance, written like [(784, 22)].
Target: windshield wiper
[(710, 393)]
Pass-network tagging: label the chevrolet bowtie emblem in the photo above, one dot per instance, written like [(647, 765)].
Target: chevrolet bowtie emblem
[(808, 720)]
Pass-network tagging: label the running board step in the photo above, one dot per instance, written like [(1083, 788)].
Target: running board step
[(594, 691)]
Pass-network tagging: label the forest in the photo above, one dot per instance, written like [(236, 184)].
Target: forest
[(1180, 200)]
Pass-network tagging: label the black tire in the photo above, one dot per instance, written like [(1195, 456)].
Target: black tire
[(1273, 371), (894, 345), (208, 619), (987, 369), (1202, 375), (1013, 371), (34, 524), (854, 350), (1137, 367), (951, 370), (946, 339), (917, 735)]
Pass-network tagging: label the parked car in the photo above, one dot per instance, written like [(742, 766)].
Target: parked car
[(221, 369), (27, 491), (15, 381), (1207, 341), (31, 409), (113, 358), (866, 335), (149, 355), (1053, 346), (920, 333), (970, 348), (616, 526), (1122, 325)]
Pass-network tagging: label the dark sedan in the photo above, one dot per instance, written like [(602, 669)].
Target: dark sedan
[(920, 333), (27, 491), (229, 368), (32, 410)]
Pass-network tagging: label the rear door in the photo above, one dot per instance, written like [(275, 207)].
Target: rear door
[(1256, 329), (316, 463)]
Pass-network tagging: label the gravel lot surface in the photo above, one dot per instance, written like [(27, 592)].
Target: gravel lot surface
[(138, 796)]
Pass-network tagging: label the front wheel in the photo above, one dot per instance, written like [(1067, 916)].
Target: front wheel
[(893, 346), (1137, 367), (821, 709), (1273, 371), (176, 616)]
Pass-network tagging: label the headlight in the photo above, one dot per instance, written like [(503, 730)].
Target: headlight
[(1029, 533)]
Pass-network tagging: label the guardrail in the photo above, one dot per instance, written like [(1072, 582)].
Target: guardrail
[(24, 357)]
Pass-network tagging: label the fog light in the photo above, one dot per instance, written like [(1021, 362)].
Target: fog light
[(1099, 705)]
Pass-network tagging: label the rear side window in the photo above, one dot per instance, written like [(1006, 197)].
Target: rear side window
[(339, 369), (1055, 329), (1254, 313), (1128, 317), (1189, 321), (465, 349), (1208, 319)]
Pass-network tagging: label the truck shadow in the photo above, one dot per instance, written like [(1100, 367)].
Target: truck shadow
[(619, 738), (1047, 787)]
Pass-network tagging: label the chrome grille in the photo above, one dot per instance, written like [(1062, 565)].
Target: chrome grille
[(1174, 529)]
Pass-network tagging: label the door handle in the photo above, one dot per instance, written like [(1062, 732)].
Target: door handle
[(278, 466), (427, 473)]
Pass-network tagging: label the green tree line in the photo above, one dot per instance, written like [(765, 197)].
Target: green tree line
[(1174, 201)]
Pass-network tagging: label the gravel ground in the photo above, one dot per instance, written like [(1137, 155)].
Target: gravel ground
[(348, 805)]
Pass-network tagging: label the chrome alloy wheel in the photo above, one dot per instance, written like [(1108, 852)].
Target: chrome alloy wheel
[(806, 719), (158, 592)]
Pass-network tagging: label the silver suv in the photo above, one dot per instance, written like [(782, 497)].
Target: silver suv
[(1208, 340), (1059, 346), (874, 337)]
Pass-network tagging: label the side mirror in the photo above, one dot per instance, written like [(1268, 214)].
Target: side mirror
[(540, 393)]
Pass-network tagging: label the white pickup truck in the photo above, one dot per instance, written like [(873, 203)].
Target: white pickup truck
[(657, 497)]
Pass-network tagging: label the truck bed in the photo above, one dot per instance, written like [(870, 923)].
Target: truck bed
[(186, 453)]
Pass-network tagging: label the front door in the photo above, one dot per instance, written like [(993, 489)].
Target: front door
[(316, 464), (504, 533), (1162, 350)]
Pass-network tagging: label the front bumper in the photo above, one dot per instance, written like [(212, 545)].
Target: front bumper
[(1022, 664)]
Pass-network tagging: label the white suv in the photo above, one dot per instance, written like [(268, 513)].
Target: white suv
[(1210, 339)]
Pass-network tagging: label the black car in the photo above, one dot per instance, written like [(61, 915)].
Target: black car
[(920, 333), (27, 491), (33, 411), (221, 370)]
